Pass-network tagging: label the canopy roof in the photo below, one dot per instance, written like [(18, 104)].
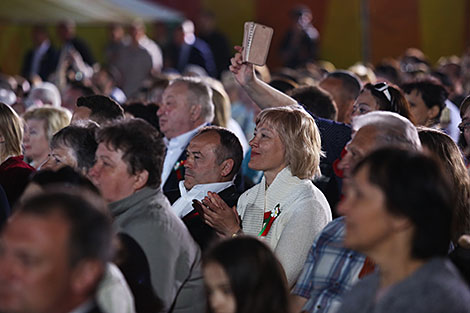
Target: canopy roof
[(84, 11)]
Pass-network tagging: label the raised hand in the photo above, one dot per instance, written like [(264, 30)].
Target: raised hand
[(244, 72)]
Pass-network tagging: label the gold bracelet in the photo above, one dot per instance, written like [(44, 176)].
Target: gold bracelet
[(239, 232)]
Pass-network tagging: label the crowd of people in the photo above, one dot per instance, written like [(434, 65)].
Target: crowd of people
[(177, 178)]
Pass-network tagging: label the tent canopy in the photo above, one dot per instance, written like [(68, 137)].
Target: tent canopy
[(84, 11)]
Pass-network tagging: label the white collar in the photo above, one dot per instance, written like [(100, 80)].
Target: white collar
[(183, 205), (175, 146), (182, 139), (43, 46)]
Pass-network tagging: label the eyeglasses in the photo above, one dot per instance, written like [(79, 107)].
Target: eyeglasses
[(383, 88), (464, 126)]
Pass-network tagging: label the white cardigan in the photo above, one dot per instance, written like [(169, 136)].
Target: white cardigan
[(304, 213)]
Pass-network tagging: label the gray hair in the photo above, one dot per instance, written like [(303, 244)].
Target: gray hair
[(392, 129), (200, 93), (44, 93)]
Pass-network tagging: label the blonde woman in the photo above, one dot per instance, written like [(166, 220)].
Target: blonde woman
[(14, 172), (41, 124), (285, 210)]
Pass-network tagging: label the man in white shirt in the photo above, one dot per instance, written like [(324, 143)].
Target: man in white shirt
[(41, 60), (214, 157), (186, 107)]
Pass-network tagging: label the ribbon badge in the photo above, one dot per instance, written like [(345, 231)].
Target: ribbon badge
[(178, 168), (269, 218)]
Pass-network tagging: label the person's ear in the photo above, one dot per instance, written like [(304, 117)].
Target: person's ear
[(401, 223), (433, 112), (195, 112), (2, 139), (140, 179), (226, 167), (85, 276)]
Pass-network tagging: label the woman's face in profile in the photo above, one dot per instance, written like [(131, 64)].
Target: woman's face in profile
[(36, 145), (219, 291), (267, 150), (466, 125), (369, 225), (364, 103)]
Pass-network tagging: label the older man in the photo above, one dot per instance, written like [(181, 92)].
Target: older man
[(128, 173), (54, 252), (214, 157), (331, 269), (186, 108)]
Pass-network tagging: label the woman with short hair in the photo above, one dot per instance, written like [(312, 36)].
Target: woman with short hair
[(398, 211), (285, 210), (41, 124)]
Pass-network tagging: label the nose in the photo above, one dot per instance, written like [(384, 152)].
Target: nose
[(345, 164), (253, 142), (161, 110), (8, 270), (189, 162), (217, 301), (94, 171)]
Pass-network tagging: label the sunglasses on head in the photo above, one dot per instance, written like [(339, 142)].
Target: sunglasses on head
[(383, 88)]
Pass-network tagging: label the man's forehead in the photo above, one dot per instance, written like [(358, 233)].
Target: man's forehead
[(364, 139), (175, 89), (205, 140), (28, 228)]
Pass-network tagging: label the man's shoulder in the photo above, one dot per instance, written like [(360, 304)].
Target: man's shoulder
[(230, 195)]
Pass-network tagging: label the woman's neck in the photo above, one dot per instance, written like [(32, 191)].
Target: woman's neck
[(395, 265), (3, 158), (271, 175)]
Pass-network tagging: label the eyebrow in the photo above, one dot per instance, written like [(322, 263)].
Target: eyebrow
[(195, 152), (107, 158)]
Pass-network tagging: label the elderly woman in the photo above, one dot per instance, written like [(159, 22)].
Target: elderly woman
[(242, 275), (14, 172), (285, 209), (398, 211), (383, 97), (41, 123), (73, 146)]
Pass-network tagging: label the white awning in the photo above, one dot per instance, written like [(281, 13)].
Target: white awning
[(84, 11)]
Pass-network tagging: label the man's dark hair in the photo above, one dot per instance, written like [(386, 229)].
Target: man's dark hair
[(316, 100), (416, 187), (351, 83), (103, 109), (389, 72), (141, 144), (230, 147), (81, 140), (433, 93), (147, 112), (90, 234)]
